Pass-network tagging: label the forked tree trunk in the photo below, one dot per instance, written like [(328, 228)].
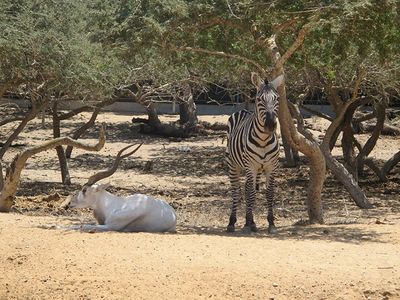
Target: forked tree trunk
[(338, 170), (65, 177), (13, 173), (295, 140)]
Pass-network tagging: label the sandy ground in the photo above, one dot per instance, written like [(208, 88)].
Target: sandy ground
[(355, 255), (315, 262)]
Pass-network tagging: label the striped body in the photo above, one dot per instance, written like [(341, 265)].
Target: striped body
[(248, 145), (253, 147)]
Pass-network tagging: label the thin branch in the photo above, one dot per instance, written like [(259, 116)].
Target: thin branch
[(215, 21), (82, 130), (36, 107), (295, 45), (221, 54), (85, 108), (285, 25)]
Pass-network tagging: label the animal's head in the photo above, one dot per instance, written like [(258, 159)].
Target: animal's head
[(87, 196), (267, 100)]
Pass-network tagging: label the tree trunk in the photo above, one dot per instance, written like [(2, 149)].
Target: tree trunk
[(291, 159), (153, 125), (188, 112), (347, 143), (297, 142), (152, 113), (82, 130), (1, 176), (65, 177), (13, 173), (4, 87), (338, 169), (370, 144), (387, 167)]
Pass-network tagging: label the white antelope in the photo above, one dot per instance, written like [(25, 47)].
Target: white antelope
[(133, 213)]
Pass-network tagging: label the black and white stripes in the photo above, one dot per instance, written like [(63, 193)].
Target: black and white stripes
[(253, 146)]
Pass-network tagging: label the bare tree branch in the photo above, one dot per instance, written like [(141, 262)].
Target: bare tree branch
[(339, 118), (78, 133), (36, 107), (10, 120), (84, 108), (13, 172)]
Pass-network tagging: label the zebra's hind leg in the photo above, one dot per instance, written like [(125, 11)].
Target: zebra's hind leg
[(270, 203), (250, 193), (234, 177)]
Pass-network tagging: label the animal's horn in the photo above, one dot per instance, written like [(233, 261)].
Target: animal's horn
[(107, 173)]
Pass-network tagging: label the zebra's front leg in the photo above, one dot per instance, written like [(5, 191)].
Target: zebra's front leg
[(270, 203), (234, 177), (250, 192)]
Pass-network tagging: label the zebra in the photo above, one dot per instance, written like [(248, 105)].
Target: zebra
[(253, 146)]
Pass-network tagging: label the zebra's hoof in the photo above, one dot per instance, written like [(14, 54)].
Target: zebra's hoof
[(246, 229), (249, 229), (230, 228), (253, 228), (272, 230)]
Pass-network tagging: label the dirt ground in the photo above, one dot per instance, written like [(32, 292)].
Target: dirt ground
[(354, 255)]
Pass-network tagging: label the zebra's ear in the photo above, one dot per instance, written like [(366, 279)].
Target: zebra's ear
[(256, 80), (277, 82)]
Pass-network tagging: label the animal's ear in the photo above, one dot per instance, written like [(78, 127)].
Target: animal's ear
[(256, 80), (277, 82)]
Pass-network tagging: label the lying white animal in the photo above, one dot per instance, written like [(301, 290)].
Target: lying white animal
[(129, 214)]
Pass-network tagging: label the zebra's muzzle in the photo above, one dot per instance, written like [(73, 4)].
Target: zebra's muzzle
[(270, 121)]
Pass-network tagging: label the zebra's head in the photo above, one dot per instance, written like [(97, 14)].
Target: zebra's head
[(267, 101)]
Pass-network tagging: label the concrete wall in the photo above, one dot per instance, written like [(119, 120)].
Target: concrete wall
[(166, 108)]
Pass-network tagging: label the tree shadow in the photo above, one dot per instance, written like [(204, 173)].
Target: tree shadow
[(194, 161), (332, 233)]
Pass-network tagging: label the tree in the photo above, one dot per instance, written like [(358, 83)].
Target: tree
[(47, 57), (334, 35)]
